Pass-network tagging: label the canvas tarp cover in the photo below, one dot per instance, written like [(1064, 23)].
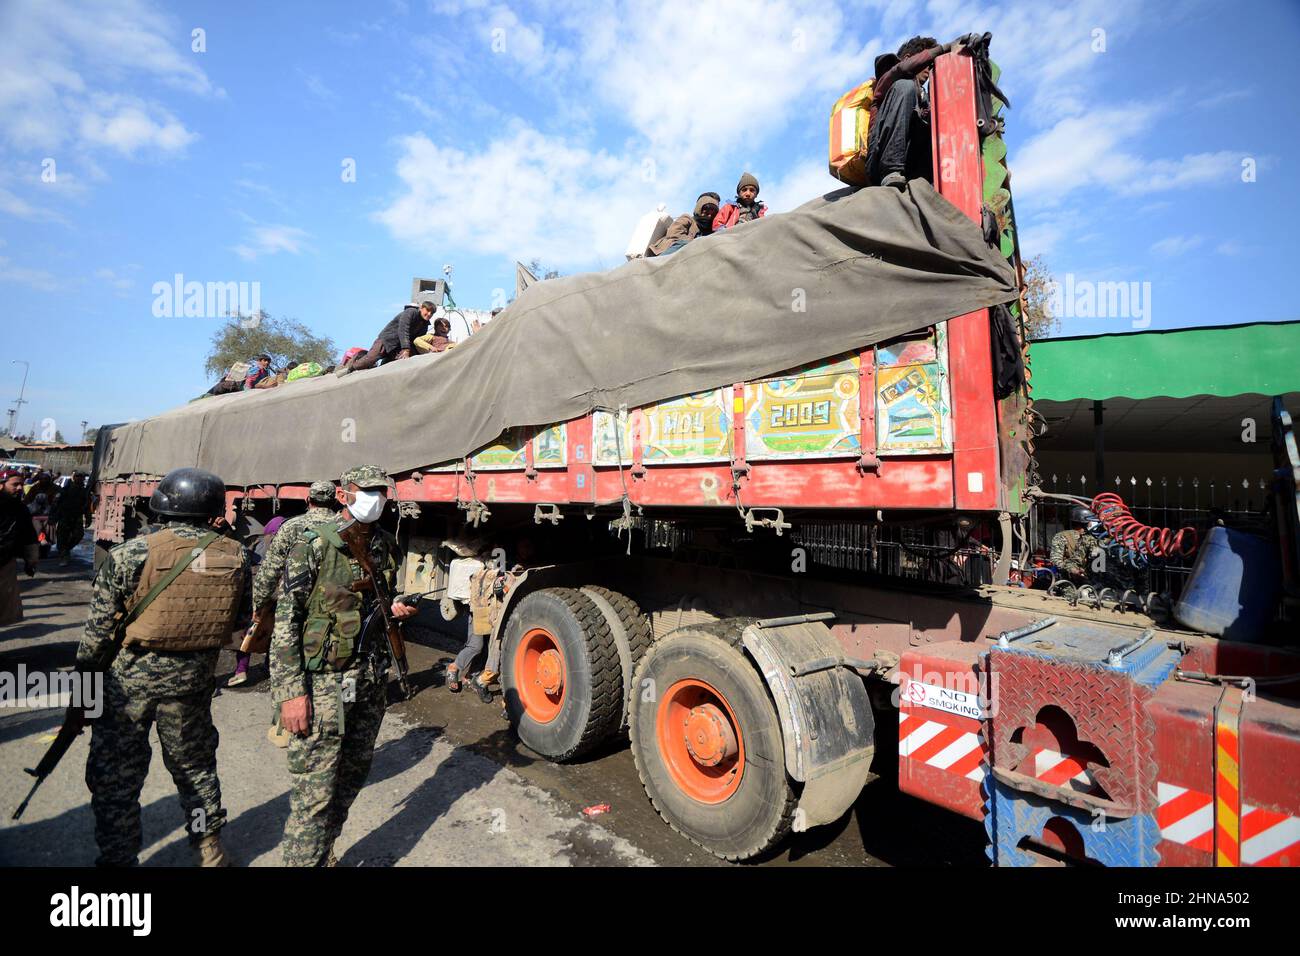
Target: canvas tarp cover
[(840, 273)]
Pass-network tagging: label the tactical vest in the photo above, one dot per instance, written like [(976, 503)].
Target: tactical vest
[(333, 626), (197, 611)]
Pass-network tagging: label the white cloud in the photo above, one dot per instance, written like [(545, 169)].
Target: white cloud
[(417, 104), (316, 86), (806, 181), (525, 194), (265, 240), (64, 66), (694, 79), (120, 285), (1094, 150), (1175, 246), (1040, 238), (127, 126), (37, 279), (14, 205)]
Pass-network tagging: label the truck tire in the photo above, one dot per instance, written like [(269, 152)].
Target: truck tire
[(560, 674), (707, 743), (632, 635)]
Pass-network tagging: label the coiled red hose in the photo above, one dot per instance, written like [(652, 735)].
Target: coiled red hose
[(1134, 535)]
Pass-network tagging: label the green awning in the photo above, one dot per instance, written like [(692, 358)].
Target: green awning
[(1258, 359)]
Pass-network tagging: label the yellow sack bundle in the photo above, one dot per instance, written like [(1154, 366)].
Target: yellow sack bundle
[(849, 135)]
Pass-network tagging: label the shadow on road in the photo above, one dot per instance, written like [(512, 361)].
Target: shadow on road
[(397, 836)]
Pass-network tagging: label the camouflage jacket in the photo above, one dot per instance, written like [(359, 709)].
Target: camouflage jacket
[(270, 571), (1072, 551), (288, 675), (116, 582)]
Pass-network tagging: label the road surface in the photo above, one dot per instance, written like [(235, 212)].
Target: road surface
[(450, 784)]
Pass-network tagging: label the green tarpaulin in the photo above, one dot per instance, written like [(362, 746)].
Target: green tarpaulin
[(1258, 359)]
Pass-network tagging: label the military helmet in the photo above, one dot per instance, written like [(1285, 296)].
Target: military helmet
[(1081, 515), (189, 493), (321, 492), (365, 476)]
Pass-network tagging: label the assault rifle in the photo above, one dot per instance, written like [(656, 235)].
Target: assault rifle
[(74, 721), (383, 600)]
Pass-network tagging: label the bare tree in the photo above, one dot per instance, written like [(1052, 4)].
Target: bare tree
[(1038, 320)]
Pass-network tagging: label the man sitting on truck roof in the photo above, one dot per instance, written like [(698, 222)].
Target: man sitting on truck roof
[(396, 341), (688, 227), (439, 340), (899, 132)]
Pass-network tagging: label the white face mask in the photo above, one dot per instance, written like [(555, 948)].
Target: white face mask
[(367, 506)]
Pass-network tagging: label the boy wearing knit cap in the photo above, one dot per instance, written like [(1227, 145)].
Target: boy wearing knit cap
[(746, 208)]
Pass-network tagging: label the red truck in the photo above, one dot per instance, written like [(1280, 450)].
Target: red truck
[(757, 581)]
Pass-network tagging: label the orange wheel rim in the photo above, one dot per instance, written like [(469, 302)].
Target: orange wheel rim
[(540, 675), (700, 741)]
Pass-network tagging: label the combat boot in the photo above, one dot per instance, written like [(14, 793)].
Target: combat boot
[(211, 852)]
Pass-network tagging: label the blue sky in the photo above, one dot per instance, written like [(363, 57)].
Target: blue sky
[(486, 132)]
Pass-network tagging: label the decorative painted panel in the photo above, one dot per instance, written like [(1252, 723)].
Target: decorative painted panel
[(691, 429), (810, 412), (913, 408)]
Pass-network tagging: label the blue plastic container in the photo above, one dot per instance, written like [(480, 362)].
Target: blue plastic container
[(1234, 587)]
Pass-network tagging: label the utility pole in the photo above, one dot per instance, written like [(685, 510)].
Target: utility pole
[(83, 432), (18, 405)]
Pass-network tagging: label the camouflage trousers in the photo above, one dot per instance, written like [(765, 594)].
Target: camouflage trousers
[(173, 691), (329, 767)]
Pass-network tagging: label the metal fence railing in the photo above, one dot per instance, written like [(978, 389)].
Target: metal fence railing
[(1158, 502)]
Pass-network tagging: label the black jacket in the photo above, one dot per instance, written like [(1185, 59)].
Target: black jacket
[(407, 326), (16, 528)]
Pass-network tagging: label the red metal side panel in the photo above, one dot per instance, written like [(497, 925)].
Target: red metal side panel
[(1269, 752), (959, 173), (581, 475), (941, 754), (1184, 719)]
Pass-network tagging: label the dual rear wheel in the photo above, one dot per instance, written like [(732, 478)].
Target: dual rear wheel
[(705, 735)]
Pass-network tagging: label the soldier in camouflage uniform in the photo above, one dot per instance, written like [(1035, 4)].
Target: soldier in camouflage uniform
[(266, 581), (1072, 549), (1092, 558), (165, 672), (328, 678)]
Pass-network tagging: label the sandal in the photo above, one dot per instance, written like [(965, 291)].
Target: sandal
[(483, 691), (453, 680)]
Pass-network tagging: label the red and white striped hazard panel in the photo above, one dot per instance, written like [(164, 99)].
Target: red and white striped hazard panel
[(1062, 771), (1268, 838), (1185, 816), (940, 745)]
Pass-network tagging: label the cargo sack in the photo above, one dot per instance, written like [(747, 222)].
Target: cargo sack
[(304, 370), (649, 229), (848, 137)]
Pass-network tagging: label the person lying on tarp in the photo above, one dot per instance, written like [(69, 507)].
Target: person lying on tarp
[(261, 370), (746, 208), (396, 341), (688, 227), (898, 147)]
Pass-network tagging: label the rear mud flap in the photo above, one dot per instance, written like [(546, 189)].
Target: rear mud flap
[(826, 718)]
